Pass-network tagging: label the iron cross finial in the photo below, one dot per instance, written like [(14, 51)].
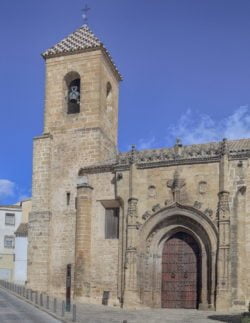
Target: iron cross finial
[(85, 14)]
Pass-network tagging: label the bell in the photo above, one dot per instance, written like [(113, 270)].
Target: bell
[(74, 94)]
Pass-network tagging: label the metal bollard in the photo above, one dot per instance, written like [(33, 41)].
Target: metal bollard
[(47, 302), (41, 299), (63, 308), (54, 305), (74, 312)]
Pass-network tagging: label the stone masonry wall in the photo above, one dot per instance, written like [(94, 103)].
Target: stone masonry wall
[(39, 219), (76, 141)]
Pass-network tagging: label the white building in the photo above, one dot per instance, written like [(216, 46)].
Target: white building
[(21, 245), (10, 219)]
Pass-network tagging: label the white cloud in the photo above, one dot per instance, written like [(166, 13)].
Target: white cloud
[(7, 188), (146, 143), (196, 128)]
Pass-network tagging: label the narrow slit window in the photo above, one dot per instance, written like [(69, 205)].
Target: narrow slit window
[(68, 198)]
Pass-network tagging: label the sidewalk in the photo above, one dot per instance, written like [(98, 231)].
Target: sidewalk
[(91, 313)]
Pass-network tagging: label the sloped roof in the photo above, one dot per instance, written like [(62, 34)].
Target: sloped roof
[(22, 230), (82, 39)]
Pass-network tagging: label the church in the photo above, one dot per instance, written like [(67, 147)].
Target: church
[(162, 228)]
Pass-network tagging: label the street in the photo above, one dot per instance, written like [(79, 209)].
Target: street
[(12, 309)]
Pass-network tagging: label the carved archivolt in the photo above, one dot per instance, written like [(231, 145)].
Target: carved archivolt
[(157, 228), (196, 209)]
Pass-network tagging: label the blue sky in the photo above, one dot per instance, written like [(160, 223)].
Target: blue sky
[(185, 63)]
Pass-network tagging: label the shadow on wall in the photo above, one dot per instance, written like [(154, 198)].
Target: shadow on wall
[(236, 318)]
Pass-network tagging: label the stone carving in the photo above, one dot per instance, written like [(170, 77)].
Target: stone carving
[(146, 215), (223, 217), (224, 147), (132, 207), (209, 212), (202, 187), (119, 176), (138, 225), (223, 205), (132, 155), (172, 156), (176, 184), (197, 205), (178, 152), (151, 191), (156, 208), (168, 202)]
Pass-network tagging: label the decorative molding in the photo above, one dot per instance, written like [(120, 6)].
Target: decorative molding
[(156, 208), (197, 205), (147, 215), (208, 212), (177, 155), (223, 211)]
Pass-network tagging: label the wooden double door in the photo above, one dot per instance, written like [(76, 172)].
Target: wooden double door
[(180, 272)]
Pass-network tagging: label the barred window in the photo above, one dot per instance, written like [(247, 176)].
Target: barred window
[(9, 242), (112, 223), (10, 218)]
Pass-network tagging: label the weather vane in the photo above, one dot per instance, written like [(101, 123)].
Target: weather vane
[(85, 14)]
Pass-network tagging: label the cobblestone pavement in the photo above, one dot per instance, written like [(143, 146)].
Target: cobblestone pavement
[(13, 310), (100, 314)]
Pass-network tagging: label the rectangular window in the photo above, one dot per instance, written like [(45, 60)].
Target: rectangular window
[(112, 223), (9, 242), (10, 218)]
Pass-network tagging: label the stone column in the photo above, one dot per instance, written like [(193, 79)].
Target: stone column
[(223, 299), (83, 242), (131, 296)]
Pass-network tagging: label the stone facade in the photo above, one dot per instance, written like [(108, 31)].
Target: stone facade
[(78, 175)]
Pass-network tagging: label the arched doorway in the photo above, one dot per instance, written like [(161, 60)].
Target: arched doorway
[(181, 268)]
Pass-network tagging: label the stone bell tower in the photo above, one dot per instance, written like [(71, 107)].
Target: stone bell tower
[(80, 129)]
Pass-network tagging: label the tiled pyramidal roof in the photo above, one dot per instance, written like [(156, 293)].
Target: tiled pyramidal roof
[(82, 39)]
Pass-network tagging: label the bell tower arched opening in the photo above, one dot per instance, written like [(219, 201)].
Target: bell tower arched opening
[(73, 92)]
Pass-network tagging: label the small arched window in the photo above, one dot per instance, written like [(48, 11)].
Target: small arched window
[(109, 97), (73, 92)]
